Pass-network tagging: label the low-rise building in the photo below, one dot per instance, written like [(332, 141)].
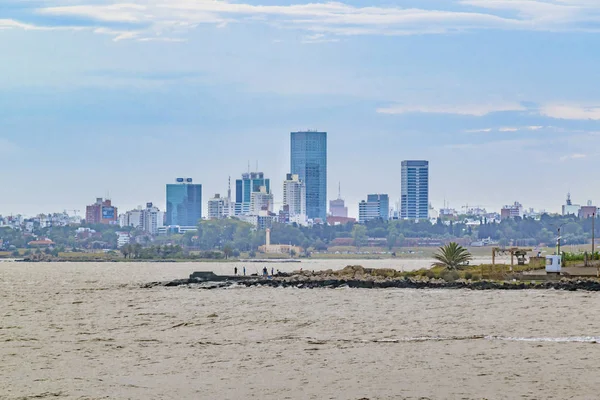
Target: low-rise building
[(123, 239), (512, 211), (278, 248), (569, 208), (588, 211)]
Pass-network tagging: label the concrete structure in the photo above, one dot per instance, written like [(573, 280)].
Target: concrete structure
[(220, 207), (101, 212), (377, 206), (176, 229), (148, 219), (263, 220), (294, 195), (414, 199), (278, 248), (569, 208), (262, 200), (184, 203), (512, 211), (588, 211), (152, 219), (553, 264), (337, 207), (309, 162), (123, 239), (251, 182), (340, 220)]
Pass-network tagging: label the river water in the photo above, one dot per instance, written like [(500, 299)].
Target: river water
[(89, 331)]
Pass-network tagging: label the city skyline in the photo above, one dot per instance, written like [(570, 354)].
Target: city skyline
[(353, 208), (468, 84)]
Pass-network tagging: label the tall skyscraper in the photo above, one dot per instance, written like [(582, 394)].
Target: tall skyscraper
[(414, 201), (184, 203), (251, 182), (309, 162), (294, 195), (377, 206)]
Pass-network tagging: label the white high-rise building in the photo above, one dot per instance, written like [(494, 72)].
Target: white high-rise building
[(220, 207), (131, 218), (261, 200), (148, 219), (294, 195), (153, 219)]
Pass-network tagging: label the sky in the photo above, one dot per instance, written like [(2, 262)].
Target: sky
[(117, 98)]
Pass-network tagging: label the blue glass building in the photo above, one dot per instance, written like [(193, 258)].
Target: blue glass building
[(184, 203), (309, 162), (377, 206), (414, 202), (250, 183)]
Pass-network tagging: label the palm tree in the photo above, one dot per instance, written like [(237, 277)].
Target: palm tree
[(452, 256)]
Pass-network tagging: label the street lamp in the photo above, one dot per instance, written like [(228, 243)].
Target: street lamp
[(558, 240)]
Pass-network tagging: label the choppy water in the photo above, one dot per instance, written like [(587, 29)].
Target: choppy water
[(89, 331)]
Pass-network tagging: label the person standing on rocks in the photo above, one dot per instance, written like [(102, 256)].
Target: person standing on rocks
[(272, 271), (265, 271), (235, 271), (244, 270)]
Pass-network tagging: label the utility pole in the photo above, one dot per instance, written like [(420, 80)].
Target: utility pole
[(593, 233), (593, 243), (558, 242)]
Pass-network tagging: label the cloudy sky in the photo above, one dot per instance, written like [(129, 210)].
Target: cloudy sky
[(105, 97)]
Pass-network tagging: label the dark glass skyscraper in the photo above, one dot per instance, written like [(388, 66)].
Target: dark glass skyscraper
[(250, 183), (184, 203), (414, 202), (309, 162)]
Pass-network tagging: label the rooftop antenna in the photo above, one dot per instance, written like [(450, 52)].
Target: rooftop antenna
[(256, 165), (248, 166), (339, 190)]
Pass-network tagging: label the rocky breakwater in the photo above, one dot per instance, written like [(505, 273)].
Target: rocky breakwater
[(365, 278)]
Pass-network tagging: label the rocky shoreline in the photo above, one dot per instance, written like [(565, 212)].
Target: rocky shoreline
[(360, 278)]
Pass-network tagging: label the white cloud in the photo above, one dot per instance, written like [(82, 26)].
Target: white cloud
[(162, 17), (318, 38), (485, 130), (575, 156), (13, 24), (111, 12), (551, 110), (506, 129), (571, 111), (477, 110)]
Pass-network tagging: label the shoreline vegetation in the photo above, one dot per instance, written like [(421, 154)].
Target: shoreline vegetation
[(495, 277)]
